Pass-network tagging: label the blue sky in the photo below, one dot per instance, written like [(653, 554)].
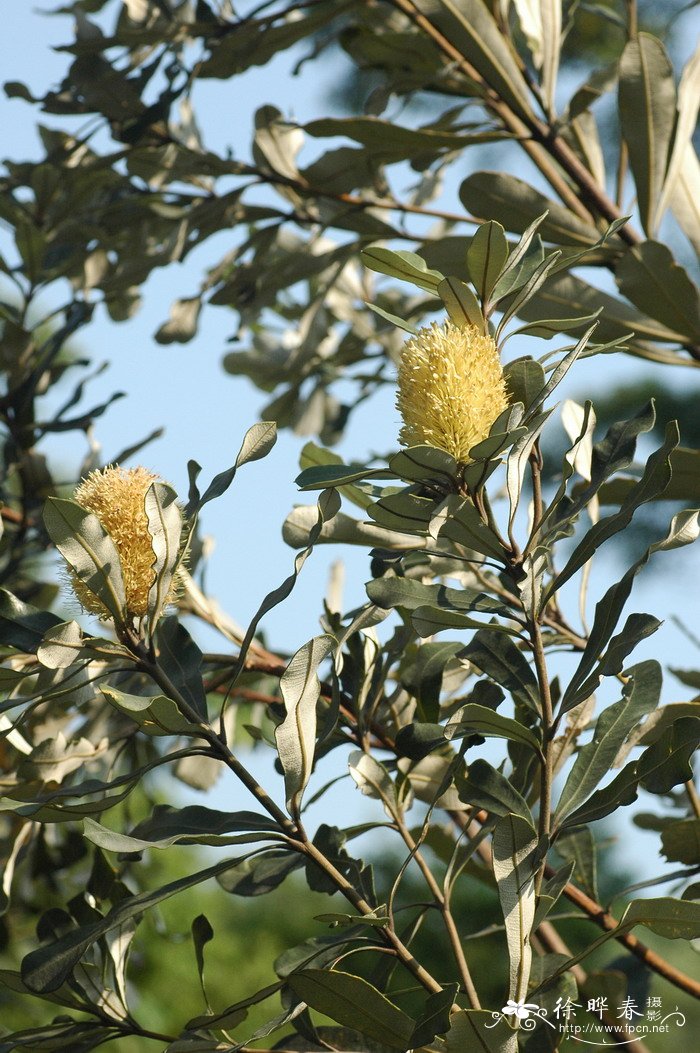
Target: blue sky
[(206, 413)]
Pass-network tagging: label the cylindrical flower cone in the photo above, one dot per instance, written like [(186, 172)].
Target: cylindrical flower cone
[(451, 388)]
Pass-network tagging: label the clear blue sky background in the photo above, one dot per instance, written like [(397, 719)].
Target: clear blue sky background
[(206, 412)]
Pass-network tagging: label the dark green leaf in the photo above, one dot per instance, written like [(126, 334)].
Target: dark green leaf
[(21, 625), (648, 274), (640, 696), (474, 718), (46, 968), (503, 197), (460, 303), (680, 842), (407, 266), (352, 1001), (486, 258), (181, 659), (435, 1016), (498, 658), (484, 786)]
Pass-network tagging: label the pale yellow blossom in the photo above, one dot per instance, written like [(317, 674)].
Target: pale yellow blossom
[(117, 497), (451, 388)]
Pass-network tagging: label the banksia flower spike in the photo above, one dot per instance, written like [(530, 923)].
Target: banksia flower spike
[(117, 497), (451, 388)]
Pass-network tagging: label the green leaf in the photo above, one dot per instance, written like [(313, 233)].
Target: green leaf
[(565, 295), (430, 666), (193, 824), (525, 379), (514, 865), (484, 786), (648, 274), (640, 696), (352, 1001), (296, 735), (498, 658), (550, 892), (165, 527), (181, 659), (407, 266), (680, 842), (473, 1030), (387, 140), (322, 476), (89, 550), (471, 28), (684, 485), (459, 521), (591, 667), (46, 968), (461, 304), (475, 718), (435, 1016), (257, 875), (408, 594), (647, 101), (21, 625), (515, 204), (674, 919), (373, 779), (157, 714), (428, 620), (578, 846), (656, 477), (62, 646), (257, 443), (418, 464), (486, 258)]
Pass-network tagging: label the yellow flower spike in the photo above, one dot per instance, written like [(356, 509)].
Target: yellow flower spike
[(451, 388), (117, 497)]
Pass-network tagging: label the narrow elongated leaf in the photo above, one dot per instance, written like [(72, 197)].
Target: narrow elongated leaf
[(487, 257), (165, 527), (435, 1016), (46, 968), (551, 16), (296, 735), (470, 27), (640, 696), (89, 550), (191, 825), (352, 1001), (674, 919), (656, 477), (514, 865), (647, 100), (688, 105), (515, 204), (408, 594), (498, 658), (475, 718), (181, 659), (648, 274), (428, 620), (484, 786), (460, 303), (21, 625), (157, 715), (407, 266)]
